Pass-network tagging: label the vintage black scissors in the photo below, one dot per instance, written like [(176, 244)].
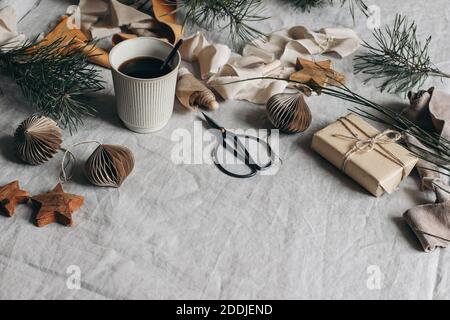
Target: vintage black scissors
[(233, 143)]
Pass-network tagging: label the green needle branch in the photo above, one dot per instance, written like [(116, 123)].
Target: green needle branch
[(398, 57), (55, 78), (238, 16), (307, 5), (234, 15)]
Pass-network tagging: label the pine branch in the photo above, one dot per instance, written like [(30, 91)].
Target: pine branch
[(398, 57), (360, 4), (54, 78), (307, 5), (234, 15)]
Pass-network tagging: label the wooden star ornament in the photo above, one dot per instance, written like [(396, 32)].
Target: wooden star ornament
[(10, 196), (56, 206), (318, 73)]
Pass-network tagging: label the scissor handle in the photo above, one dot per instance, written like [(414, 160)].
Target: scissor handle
[(240, 151), (253, 170)]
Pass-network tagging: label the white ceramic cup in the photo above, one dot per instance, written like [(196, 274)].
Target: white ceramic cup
[(144, 105)]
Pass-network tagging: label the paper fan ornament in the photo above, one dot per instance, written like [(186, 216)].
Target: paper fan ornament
[(289, 112), (109, 165), (38, 139)]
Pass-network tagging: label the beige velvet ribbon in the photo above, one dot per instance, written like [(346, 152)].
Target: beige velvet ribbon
[(431, 222), (8, 28), (368, 144)]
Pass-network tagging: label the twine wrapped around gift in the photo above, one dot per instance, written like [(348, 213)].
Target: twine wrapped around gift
[(369, 144)]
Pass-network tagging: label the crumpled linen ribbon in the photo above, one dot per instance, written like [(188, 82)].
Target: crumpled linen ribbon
[(10, 38), (275, 57), (9, 35), (364, 145), (300, 42), (431, 222), (69, 34), (225, 82), (220, 66), (104, 18), (97, 19)]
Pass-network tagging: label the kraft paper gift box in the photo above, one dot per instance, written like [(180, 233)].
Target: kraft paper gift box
[(371, 158)]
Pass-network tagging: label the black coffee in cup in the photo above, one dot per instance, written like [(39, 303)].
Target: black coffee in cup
[(144, 68)]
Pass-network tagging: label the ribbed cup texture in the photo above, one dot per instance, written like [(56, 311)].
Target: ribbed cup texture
[(145, 105)]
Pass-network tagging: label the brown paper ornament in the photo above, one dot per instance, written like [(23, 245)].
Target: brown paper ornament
[(289, 112), (109, 165), (38, 139), (56, 206), (10, 196)]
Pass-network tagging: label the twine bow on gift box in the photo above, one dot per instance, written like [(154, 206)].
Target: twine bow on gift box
[(365, 145)]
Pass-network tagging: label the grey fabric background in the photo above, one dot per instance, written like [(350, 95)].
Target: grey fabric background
[(189, 232)]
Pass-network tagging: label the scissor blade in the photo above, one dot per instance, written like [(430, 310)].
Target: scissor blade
[(211, 122)]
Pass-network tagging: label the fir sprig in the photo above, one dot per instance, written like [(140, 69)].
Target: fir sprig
[(307, 5), (398, 57), (54, 77), (234, 15)]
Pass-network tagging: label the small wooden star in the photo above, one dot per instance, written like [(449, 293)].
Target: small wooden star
[(316, 73), (56, 206), (10, 196)]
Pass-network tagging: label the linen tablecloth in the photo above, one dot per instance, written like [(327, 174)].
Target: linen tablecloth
[(190, 232)]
